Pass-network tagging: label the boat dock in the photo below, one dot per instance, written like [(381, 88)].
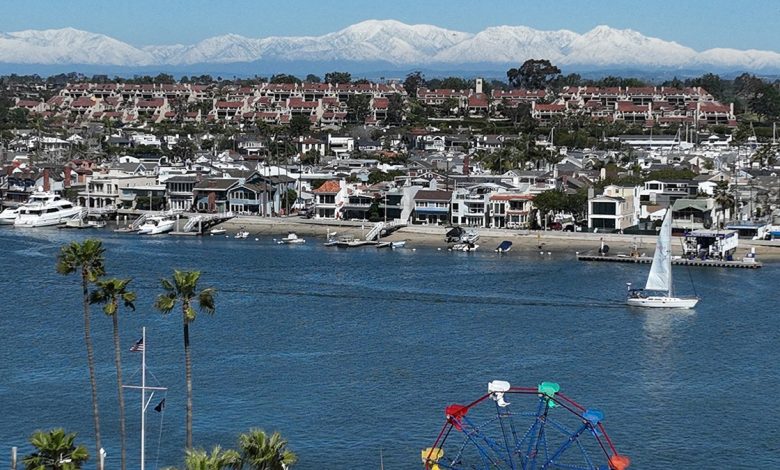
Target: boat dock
[(749, 263)]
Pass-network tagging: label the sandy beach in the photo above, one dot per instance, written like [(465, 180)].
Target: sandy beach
[(522, 240)]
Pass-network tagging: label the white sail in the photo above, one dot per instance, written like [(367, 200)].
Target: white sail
[(660, 277)]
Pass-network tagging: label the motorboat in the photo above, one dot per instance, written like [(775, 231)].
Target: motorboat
[(349, 242), (217, 231), (466, 246), (8, 215), (242, 233), (45, 208), (392, 245), (157, 224), (291, 239), (504, 247), (660, 277), (80, 223)]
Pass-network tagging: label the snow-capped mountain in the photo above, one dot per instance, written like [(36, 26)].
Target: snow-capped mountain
[(386, 41)]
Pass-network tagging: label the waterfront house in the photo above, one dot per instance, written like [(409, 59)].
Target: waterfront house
[(211, 194), (179, 192), (329, 199), (693, 214), (510, 210), (615, 209), (431, 207)]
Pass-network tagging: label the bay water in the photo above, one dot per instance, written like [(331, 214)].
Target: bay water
[(353, 353)]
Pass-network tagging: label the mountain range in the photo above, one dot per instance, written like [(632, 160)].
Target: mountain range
[(392, 44)]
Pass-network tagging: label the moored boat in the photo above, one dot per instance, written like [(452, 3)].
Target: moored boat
[(291, 239)]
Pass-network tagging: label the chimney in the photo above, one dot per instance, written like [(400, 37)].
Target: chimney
[(46, 183), (67, 181), (479, 86)]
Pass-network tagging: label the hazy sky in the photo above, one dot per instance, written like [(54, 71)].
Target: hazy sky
[(700, 24)]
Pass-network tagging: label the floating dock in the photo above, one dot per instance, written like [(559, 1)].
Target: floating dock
[(750, 263)]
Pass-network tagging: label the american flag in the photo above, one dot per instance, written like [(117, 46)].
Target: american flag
[(138, 346)]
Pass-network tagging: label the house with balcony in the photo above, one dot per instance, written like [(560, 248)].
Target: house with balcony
[(609, 213), (211, 194), (471, 206), (179, 192), (694, 214), (431, 207), (657, 194), (329, 199), (103, 193), (510, 210)]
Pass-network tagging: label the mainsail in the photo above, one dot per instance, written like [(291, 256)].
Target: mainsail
[(660, 277)]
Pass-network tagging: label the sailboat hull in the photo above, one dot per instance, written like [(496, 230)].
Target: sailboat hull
[(662, 302)]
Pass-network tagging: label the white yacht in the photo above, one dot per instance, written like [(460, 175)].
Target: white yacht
[(156, 224), (45, 209), (8, 216)]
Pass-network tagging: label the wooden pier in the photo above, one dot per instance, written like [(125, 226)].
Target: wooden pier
[(749, 263)]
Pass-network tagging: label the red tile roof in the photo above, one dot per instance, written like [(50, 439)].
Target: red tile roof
[(331, 186)]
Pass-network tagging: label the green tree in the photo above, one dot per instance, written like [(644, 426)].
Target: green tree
[(218, 459), (108, 293), (55, 450), (262, 452), (182, 288), (534, 74), (337, 78), (285, 78), (311, 78), (299, 125), (88, 259), (550, 201), (724, 199), (412, 82), (358, 107)]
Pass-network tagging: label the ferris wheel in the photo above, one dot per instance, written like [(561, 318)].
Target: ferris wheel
[(528, 428)]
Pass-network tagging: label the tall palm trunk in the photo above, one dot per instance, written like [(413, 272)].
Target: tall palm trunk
[(120, 393), (188, 373), (91, 363)]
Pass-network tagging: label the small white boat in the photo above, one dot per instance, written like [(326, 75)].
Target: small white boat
[(291, 239), (468, 246), (392, 245), (242, 233), (157, 224), (660, 277), (217, 231)]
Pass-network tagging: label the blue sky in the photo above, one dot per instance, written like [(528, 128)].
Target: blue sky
[(700, 24)]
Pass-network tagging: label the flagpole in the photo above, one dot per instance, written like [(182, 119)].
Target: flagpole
[(140, 346), (143, 396)]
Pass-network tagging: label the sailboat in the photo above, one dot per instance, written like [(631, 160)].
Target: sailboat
[(660, 277)]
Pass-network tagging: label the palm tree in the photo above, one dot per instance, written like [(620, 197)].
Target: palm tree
[(263, 452), (183, 288), (723, 199), (108, 293), (88, 258), (219, 459), (55, 450)]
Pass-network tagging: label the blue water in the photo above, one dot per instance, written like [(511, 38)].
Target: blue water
[(349, 352)]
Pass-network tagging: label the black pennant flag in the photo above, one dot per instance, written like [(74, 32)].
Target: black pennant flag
[(160, 406)]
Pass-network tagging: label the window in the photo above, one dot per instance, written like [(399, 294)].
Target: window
[(603, 223), (603, 208)]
